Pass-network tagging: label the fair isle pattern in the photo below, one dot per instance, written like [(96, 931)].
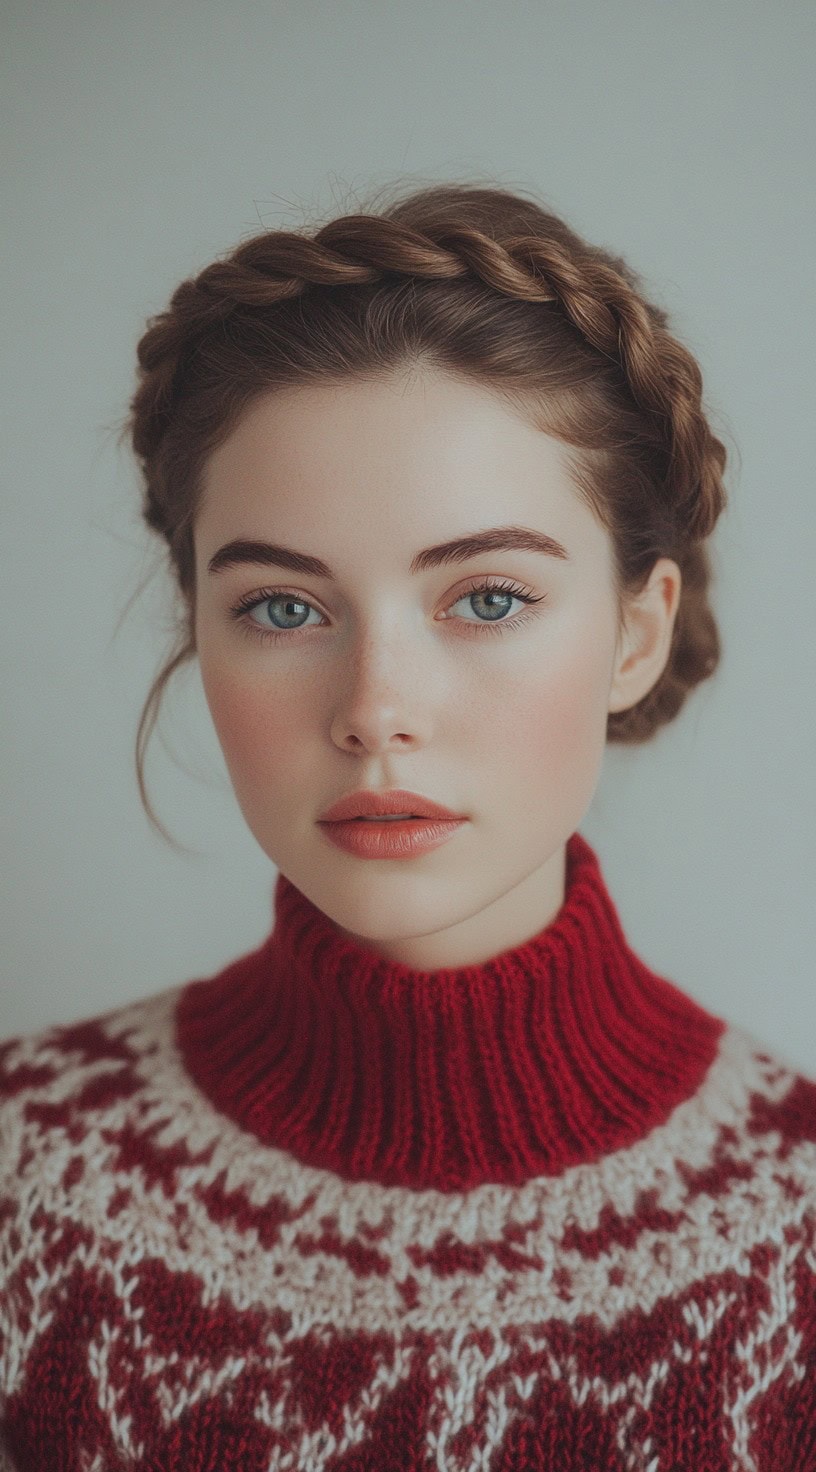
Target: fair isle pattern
[(177, 1297)]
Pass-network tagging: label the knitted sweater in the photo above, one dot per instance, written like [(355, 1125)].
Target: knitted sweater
[(322, 1211)]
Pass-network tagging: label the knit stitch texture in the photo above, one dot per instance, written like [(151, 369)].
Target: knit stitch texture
[(320, 1212)]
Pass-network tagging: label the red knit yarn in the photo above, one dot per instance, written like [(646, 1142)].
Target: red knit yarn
[(559, 1051)]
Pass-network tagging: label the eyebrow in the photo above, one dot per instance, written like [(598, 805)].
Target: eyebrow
[(495, 539)]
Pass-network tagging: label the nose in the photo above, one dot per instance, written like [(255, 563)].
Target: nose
[(380, 707)]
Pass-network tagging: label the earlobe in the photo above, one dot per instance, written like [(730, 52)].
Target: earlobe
[(643, 647)]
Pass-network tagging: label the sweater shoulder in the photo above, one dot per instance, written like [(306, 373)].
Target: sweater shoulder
[(70, 1064), (779, 1097)]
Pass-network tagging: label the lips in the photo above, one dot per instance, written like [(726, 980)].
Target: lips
[(387, 842), (394, 803)]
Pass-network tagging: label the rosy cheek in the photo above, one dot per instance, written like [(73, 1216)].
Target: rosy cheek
[(561, 724), (256, 726)]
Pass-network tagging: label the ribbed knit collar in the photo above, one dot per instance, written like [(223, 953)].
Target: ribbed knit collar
[(561, 1050)]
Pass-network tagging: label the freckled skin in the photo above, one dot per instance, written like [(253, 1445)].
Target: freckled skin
[(390, 684)]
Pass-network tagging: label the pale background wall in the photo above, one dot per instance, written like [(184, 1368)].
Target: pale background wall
[(141, 139)]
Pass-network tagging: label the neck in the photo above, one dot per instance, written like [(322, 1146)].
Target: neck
[(481, 937), (553, 1053)]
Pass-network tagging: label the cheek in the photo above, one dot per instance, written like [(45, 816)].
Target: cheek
[(258, 728), (557, 731)]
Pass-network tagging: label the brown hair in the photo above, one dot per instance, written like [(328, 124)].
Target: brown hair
[(484, 284)]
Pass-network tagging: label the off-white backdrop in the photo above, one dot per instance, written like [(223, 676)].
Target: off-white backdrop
[(140, 140)]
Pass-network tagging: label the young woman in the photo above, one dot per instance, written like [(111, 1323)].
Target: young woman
[(442, 1175)]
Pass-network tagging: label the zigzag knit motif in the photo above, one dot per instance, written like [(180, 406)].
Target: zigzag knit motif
[(225, 1248)]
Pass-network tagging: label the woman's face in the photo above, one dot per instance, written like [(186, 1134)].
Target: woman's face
[(385, 677)]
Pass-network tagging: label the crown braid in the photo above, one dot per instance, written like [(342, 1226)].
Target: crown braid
[(596, 297)]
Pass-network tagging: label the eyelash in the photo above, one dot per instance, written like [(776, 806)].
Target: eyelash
[(240, 611)]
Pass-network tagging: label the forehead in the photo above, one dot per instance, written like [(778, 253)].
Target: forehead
[(402, 461), (405, 428)]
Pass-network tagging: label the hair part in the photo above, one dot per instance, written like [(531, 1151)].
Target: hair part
[(481, 283)]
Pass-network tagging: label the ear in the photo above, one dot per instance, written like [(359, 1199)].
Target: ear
[(643, 647)]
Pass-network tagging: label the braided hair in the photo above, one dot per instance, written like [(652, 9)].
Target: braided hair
[(481, 283)]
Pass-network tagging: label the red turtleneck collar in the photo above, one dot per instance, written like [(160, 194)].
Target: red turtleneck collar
[(554, 1053)]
